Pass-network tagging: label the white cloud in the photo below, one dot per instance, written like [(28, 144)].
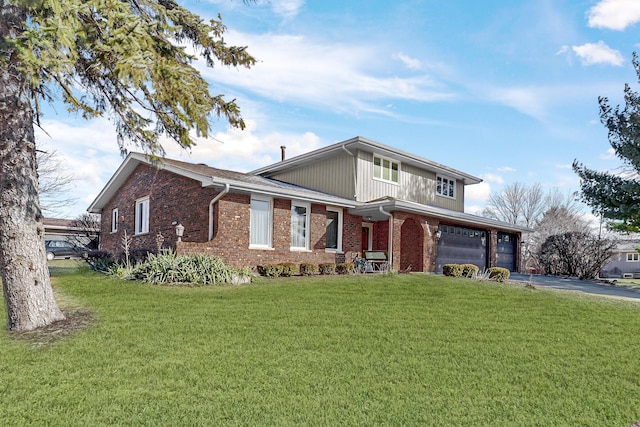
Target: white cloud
[(506, 169), (529, 101), (610, 154), (244, 150), (410, 63), (287, 8), (477, 192), (493, 178), (340, 77), (614, 14), (598, 53), (564, 166)]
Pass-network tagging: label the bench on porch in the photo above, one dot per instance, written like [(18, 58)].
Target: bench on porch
[(377, 260)]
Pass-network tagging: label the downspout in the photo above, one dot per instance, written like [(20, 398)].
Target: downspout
[(355, 177), (390, 243), (211, 204)]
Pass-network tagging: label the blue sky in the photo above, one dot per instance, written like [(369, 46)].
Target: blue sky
[(506, 91)]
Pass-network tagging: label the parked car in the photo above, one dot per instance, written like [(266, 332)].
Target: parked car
[(64, 249)]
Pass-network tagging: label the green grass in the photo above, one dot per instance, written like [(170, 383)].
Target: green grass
[(365, 350)]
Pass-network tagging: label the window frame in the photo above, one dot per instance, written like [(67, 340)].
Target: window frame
[(633, 257), (307, 225), (340, 218), (451, 184), (114, 220), (269, 242), (389, 168), (141, 220)]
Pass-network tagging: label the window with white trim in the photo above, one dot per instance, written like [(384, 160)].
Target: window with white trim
[(385, 169), (334, 229), (445, 186), (142, 216), (633, 257), (300, 222), (261, 223), (114, 220)]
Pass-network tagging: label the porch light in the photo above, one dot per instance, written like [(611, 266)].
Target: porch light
[(179, 232), (483, 240), (438, 234)]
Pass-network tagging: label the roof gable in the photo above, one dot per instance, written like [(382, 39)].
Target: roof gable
[(360, 143)]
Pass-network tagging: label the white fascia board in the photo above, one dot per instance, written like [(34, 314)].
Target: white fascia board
[(115, 182), (242, 187)]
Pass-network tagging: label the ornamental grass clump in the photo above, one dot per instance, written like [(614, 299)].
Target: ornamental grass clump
[(192, 269)]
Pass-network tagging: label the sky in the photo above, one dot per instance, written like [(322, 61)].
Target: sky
[(503, 90)]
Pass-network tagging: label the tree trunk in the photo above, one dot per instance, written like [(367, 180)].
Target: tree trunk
[(25, 276)]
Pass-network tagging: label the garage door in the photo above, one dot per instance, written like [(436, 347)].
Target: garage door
[(506, 251), (460, 245)]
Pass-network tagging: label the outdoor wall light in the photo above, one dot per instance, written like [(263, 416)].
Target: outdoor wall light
[(483, 240), (438, 234), (179, 232)]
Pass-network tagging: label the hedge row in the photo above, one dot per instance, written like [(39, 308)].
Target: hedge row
[(305, 269), (498, 274)]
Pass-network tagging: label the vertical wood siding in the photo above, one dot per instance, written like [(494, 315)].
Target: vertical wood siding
[(415, 185), (333, 175)]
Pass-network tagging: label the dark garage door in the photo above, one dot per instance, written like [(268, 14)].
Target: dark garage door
[(506, 251), (459, 245)]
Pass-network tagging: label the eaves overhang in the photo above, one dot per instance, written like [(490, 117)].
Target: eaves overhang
[(375, 211)]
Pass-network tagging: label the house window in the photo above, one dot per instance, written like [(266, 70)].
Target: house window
[(300, 219), (261, 223), (114, 220), (142, 216), (334, 229), (446, 187), (385, 169), (633, 257)]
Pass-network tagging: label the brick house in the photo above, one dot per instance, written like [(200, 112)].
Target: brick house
[(328, 205)]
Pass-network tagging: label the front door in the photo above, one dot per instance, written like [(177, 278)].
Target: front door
[(366, 238)]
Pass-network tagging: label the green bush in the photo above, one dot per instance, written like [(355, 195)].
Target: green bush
[(308, 269), (345, 268), (327, 268), (470, 270), (452, 270), (499, 274), (194, 269), (288, 269), (271, 270)]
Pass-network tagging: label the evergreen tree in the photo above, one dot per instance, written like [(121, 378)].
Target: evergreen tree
[(122, 58), (617, 196)]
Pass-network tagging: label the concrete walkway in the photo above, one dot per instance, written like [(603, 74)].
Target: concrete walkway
[(569, 284)]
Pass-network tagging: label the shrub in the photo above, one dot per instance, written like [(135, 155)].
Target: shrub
[(345, 268), (288, 269), (271, 270), (499, 274), (308, 269), (452, 270), (470, 270), (327, 268)]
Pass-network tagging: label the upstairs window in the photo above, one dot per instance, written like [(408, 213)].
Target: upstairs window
[(142, 216), (385, 169), (445, 187), (633, 257), (114, 220)]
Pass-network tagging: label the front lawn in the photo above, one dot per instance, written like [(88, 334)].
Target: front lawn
[(364, 350)]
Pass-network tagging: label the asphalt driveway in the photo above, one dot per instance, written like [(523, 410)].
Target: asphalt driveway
[(585, 286)]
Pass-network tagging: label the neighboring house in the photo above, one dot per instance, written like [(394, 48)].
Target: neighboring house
[(328, 205), (67, 230), (625, 262)]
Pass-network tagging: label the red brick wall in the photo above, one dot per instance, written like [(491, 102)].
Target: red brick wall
[(176, 198)]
